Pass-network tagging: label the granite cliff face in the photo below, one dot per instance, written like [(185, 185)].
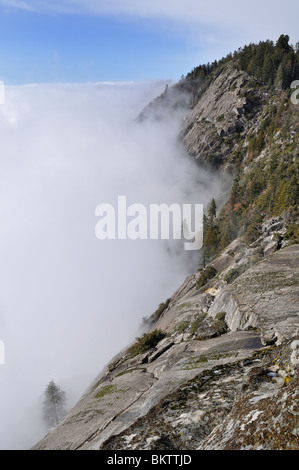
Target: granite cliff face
[(225, 375), (217, 366), (222, 112)]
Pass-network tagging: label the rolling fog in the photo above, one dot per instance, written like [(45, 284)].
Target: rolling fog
[(68, 301)]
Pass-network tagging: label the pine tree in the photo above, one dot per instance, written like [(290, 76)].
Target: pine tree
[(268, 71), (283, 42), (54, 405), (203, 254), (235, 193), (212, 211), (210, 242)]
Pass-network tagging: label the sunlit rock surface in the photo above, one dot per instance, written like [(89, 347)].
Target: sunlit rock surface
[(204, 385)]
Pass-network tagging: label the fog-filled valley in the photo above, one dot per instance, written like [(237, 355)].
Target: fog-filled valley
[(68, 301)]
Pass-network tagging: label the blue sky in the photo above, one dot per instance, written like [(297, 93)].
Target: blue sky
[(129, 40)]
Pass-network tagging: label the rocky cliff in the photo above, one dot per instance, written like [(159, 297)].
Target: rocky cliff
[(217, 367), (225, 375)]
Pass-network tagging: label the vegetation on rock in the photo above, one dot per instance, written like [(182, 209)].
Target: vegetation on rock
[(207, 274), (146, 342), (263, 160)]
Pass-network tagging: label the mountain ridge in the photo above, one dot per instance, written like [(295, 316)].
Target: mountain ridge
[(217, 367)]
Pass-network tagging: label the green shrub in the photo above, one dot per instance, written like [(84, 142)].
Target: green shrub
[(146, 342), (233, 274), (162, 307), (182, 326), (208, 274), (252, 222), (197, 323), (292, 233), (152, 319), (220, 324)]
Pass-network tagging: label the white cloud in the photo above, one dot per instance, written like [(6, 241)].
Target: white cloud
[(255, 14), (16, 4)]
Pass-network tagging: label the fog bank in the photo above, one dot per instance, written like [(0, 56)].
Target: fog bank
[(68, 301)]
